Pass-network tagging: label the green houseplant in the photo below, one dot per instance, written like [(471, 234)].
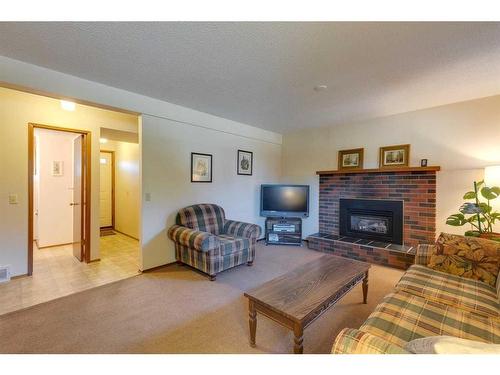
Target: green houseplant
[(478, 214)]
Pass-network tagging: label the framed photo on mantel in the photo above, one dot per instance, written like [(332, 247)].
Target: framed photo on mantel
[(394, 156), (351, 159)]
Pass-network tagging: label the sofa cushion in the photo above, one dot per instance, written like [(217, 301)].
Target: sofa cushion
[(424, 253), (202, 217), (471, 295), (353, 341), (230, 244), (403, 317), (470, 257), (450, 345)]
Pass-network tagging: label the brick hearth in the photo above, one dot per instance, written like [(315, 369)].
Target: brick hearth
[(393, 255)]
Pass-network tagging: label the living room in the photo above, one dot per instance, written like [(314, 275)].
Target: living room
[(302, 187)]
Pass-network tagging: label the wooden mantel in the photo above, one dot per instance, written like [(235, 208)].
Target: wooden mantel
[(382, 170)]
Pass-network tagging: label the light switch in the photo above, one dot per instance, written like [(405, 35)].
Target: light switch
[(147, 196), (13, 199)]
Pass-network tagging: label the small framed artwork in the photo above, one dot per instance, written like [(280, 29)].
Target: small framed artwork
[(57, 168), (394, 156), (201, 167), (423, 163), (245, 163), (351, 159)]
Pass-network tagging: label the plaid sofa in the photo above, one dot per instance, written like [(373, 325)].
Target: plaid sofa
[(206, 240), (429, 302)]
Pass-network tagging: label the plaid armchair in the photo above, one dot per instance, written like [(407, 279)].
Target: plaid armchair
[(205, 240)]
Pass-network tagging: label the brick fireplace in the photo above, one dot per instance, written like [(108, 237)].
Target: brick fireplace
[(414, 187)]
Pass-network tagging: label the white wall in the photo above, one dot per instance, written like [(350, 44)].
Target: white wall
[(17, 109), (166, 163), (14, 72), (462, 138), (54, 193), (13, 231), (127, 186)]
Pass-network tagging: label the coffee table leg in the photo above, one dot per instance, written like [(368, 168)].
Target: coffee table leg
[(365, 287), (252, 314), (298, 347)]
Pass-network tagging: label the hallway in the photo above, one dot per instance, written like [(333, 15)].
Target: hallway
[(57, 273)]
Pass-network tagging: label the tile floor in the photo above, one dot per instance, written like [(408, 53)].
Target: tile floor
[(56, 273)]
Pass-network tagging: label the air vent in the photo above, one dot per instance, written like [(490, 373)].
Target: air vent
[(4, 274)]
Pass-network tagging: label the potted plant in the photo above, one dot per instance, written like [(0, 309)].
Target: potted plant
[(478, 214)]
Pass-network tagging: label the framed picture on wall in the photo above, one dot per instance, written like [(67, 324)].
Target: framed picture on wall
[(57, 168), (245, 163), (394, 156), (351, 159), (201, 167)]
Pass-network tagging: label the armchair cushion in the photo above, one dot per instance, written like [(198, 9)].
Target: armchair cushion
[(229, 244), (201, 241), (203, 217), (469, 257), (240, 229)]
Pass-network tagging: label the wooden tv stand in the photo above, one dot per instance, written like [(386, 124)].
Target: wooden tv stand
[(283, 231)]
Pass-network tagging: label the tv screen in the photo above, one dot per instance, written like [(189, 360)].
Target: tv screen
[(284, 200)]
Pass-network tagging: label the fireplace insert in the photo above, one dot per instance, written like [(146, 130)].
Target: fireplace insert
[(378, 220)]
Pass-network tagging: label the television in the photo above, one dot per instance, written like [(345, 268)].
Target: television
[(284, 200)]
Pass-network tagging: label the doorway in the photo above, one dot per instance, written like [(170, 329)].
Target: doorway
[(70, 172), (107, 190)]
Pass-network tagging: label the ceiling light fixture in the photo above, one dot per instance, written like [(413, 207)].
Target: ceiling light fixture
[(103, 140), (67, 105), (320, 87)]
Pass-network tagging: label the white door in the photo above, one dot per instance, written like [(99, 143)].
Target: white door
[(106, 190)]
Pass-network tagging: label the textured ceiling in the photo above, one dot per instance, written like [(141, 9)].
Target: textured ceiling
[(263, 74)]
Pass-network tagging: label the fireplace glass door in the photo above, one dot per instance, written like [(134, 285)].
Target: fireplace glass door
[(378, 220), (370, 224)]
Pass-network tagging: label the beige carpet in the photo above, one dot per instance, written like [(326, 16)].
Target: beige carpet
[(176, 310)]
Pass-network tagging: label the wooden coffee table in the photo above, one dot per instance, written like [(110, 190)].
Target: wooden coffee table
[(299, 297)]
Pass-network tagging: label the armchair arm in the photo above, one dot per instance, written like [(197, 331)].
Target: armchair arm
[(240, 229), (201, 241), (424, 253), (353, 341)]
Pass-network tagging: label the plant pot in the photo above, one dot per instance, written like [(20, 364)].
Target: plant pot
[(491, 236)]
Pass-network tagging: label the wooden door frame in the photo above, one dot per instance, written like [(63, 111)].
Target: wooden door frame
[(112, 185), (86, 193)]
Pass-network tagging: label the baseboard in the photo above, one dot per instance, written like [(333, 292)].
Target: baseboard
[(49, 246), (158, 267), (125, 234), (19, 276)]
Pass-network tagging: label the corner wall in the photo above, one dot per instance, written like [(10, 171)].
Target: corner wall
[(166, 169), (462, 138)]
